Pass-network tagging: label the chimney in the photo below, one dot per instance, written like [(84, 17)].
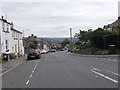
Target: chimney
[(32, 35), (2, 17), (119, 18), (12, 26)]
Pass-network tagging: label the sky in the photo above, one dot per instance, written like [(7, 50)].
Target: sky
[(54, 18)]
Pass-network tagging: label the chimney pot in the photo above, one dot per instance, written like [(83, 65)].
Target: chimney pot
[(2, 17)]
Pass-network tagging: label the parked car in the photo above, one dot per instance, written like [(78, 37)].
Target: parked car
[(48, 51), (33, 54), (43, 51), (62, 49), (52, 50)]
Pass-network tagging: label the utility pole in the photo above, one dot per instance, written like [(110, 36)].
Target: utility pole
[(71, 39), (71, 34)]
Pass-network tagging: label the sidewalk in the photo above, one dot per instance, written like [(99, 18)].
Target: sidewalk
[(11, 64), (101, 56)]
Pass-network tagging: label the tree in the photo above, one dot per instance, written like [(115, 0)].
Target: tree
[(117, 29), (65, 42), (34, 44), (82, 36)]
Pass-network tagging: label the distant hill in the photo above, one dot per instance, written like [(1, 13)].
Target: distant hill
[(57, 40)]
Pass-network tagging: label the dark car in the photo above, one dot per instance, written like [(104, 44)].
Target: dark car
[(33, 54)]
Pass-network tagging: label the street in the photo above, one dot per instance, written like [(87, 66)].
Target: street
[(64, 70)]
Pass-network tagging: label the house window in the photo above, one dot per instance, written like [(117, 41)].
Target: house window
[(6, 42), (15, 48), (3, 26), (7, 28)]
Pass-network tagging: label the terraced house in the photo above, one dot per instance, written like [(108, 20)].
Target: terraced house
[(10, 40)]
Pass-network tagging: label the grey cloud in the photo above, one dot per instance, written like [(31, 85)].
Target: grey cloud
[(54, 18)]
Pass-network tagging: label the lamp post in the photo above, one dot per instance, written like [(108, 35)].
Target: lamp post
[(24, 39), (24, 33)]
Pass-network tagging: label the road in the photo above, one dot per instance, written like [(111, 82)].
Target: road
[(64, 70)]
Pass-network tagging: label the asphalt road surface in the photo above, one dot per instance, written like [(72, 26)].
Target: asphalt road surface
[(64, 70)]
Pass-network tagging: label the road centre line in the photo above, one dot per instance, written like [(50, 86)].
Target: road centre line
[(32, 72), (10, 69), (30, 76), (106, 77), (27, 81)]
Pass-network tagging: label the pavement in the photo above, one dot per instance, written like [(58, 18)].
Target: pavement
[(62, 70), (11, 64)]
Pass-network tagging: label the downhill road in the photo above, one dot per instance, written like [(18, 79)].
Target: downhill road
[(64, 70)]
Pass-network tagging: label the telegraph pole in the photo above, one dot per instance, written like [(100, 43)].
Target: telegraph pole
[(70, 34), (71, 39)]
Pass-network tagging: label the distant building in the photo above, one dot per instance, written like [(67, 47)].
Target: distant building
[(111, 26), (27, 41), (10, 39), (42, 44)]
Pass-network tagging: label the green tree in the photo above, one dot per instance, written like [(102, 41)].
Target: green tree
[(82, 36), (65, 42), (117, 29), (34, 44)]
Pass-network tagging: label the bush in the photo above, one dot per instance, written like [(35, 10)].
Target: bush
[(12, 56)]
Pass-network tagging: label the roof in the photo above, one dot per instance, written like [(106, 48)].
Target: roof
[(4, 20), (116, 23), (16, 30)]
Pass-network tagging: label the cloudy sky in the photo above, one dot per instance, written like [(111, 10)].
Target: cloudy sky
[(53, 18)]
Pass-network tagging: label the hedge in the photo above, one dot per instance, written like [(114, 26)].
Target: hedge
[(113, 39), (97, 41), (103, 41)]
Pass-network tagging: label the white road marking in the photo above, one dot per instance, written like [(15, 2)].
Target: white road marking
[(104, 58), (30, 76), (27, 81), (96, 69), (115, 60), (10, 69), (109, 59), (100, 74), (32, 71), (113, 73)]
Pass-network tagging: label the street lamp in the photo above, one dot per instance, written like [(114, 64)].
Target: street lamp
[(24, 38), (24, 32)]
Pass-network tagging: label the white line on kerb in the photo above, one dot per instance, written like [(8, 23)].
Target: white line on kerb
[(115, 81), (113, 73), (96, 69), (27, 81), (11, 69)]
